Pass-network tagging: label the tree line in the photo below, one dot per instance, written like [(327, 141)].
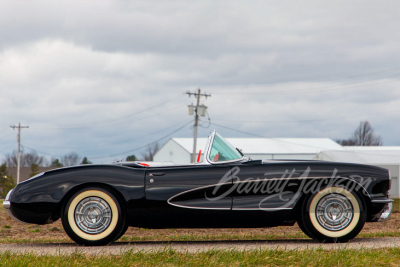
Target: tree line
[(31, 159)]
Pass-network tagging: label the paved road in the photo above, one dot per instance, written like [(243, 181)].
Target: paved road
[(195, 246)]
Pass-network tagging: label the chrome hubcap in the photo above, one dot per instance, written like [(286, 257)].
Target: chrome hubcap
[(334, 212), (93, 215)]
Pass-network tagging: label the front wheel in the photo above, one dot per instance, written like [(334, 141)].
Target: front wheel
[(93, 217), (333, 214)]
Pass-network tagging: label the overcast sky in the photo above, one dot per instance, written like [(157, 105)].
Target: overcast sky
[(105, 78)]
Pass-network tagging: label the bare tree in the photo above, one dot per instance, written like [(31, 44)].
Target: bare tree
[(27, 159), (150, 151), (364, 135), (70, 159), (11, 159)]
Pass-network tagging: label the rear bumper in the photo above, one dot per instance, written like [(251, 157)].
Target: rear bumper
[(386, 211)]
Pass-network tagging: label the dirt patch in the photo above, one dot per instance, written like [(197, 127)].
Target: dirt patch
[(11, 231)]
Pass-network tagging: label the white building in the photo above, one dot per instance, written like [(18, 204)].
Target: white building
[(383, 156), (179, 150)]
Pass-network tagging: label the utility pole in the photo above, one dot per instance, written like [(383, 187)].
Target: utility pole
[(198, 109), (19, 127)]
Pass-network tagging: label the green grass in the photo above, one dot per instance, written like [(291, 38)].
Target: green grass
[(396, 205), (214, 237), (170, 257)]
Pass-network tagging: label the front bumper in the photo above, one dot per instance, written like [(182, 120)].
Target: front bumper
[(6, 202), (7, 206)]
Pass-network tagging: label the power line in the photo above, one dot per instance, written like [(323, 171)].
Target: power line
[(232, 129), (315, 120), (276, 139), (141, 147), (40, 152), (57, 156), (112, 122), (102, 144)]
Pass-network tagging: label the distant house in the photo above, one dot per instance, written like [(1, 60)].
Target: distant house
[(25, 172), (179, 150)]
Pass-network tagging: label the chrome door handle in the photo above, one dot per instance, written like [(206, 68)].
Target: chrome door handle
[(156, 174)]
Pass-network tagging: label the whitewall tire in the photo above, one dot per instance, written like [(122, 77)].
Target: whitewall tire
[(333, 214), (93, 216)]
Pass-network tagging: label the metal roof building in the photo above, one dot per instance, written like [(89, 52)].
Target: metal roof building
[(383, 156), (179, 150)]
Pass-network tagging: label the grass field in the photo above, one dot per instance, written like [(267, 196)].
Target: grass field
[(168, 257), (15, 232)]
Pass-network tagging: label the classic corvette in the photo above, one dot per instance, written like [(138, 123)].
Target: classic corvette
[(97, 203)]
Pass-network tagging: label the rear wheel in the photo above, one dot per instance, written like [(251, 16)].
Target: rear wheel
[(303, 228), (333, 214), (93, 217)]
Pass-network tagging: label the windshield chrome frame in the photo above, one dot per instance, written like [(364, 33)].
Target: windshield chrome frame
[(210, 141)]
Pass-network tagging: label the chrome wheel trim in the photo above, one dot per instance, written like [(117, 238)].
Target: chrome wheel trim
[(93, 193), (93, 215), (334, 212), (313, 215)]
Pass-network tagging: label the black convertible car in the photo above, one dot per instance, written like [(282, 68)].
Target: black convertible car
[(96, 203)]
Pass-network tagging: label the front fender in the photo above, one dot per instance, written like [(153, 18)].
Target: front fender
[(36, 200)]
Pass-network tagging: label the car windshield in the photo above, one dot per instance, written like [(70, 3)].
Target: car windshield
[(221, 150)]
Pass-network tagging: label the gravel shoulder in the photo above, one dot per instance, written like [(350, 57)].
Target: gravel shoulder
[(196, 246)]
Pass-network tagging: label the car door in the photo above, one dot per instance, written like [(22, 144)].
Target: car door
[(185, 189), (265, 187)]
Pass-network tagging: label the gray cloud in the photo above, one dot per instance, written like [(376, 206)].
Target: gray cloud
[(77, 72)]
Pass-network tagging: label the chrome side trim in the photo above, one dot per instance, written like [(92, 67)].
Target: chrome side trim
[(268, 179), (197, 208), (262, 208), (382, 201), (194, 189)]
